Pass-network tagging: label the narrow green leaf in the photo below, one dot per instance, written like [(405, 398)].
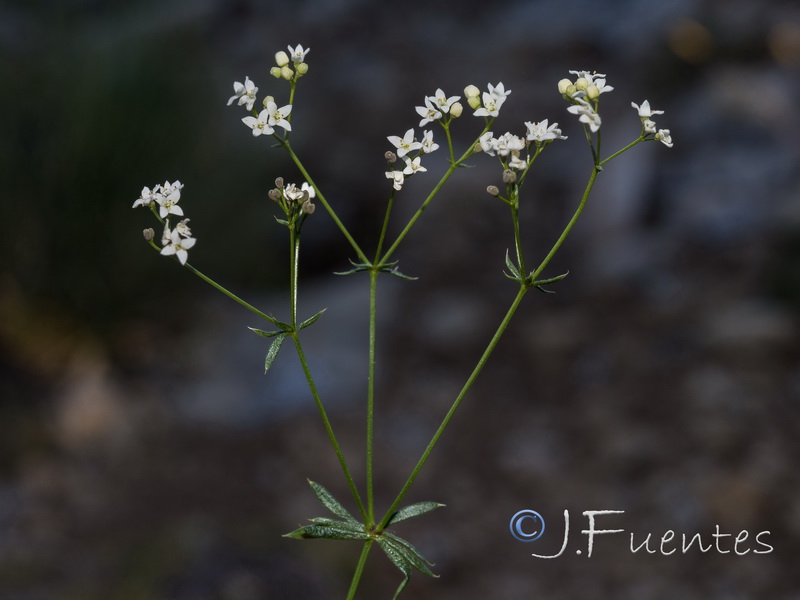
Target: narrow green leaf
[(410, 553), (512, 267), (311, 320), (397, 273), (333, 530), (399, 560), (274, 348), (544, 291), (331, 503), (555, 279), (282, 221), (266, 334), (413, 510)]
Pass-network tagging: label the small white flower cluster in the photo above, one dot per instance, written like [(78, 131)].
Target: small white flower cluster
[(437, 106), (584, 93), (292, 198), (165, 199), (244, 94), (406, 145), (649, 126), (492, 100), (509, 146)]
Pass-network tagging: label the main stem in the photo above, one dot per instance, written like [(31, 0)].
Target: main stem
[(373, 292)]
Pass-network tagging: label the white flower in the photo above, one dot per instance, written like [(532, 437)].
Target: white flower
[(517, 163), (397, 178), (245, 93), (261, 124), (487, 143), (412, 166), (492, 101), (645, 112), (298, 54), (586, 113), (429, 113), (508, 144), (175, 244), (147, 197), (183, 229), (664, 137), (428, 145), (168, 199), (307, 188), (405, 144), (277, 116), (443, 102), (600, 86), (541, 132), (649, 126)]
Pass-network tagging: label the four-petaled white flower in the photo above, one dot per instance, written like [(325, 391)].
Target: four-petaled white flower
[(428, 145), (443, 102), (412, 166), (492, 101), (168, 198), (260, 125), (486, 142), (397, 178), (245, 93), (298, 54), (175, 243), (147, 197), (542, 132), (664, 137), (277, 116), (645, 112), (498, 92), (405, 144), (586, 113), (429, 113)]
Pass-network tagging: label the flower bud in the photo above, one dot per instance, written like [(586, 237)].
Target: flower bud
[(581, 83), (390, 157), (493, 190), (474, 102), (563, 86), (302, 69), (287, 73), (267, 99), (593, 92), (281, 58), (279, 182), (274, 194), (509, 176), (456, 109), (471, 91), (149, 234), (308, 207), (275, 72)]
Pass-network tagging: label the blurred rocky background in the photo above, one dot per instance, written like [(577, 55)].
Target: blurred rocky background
[(145, 456)]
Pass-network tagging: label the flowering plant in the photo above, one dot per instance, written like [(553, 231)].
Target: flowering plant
[(297, 202)]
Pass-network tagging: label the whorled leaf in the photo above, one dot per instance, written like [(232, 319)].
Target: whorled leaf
[(513, 268), (311, 320), (413, 510), (331, 503), (405, 557), (330, 529), (274, 348)]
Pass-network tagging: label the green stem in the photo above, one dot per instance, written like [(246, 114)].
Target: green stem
[(569, 226), (517, 237), (618, 152), (231, 295), (385, 226), (324, 202), (484, 358), (373, 292), (359, 569), (294, 255), (326, 422)]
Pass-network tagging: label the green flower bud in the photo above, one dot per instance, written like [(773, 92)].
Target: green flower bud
[(287, 73), (275, 72), (267, 99), (474, 102), (593, 92), (302, 69), (281, 58), (456, 109), (581, 83)]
